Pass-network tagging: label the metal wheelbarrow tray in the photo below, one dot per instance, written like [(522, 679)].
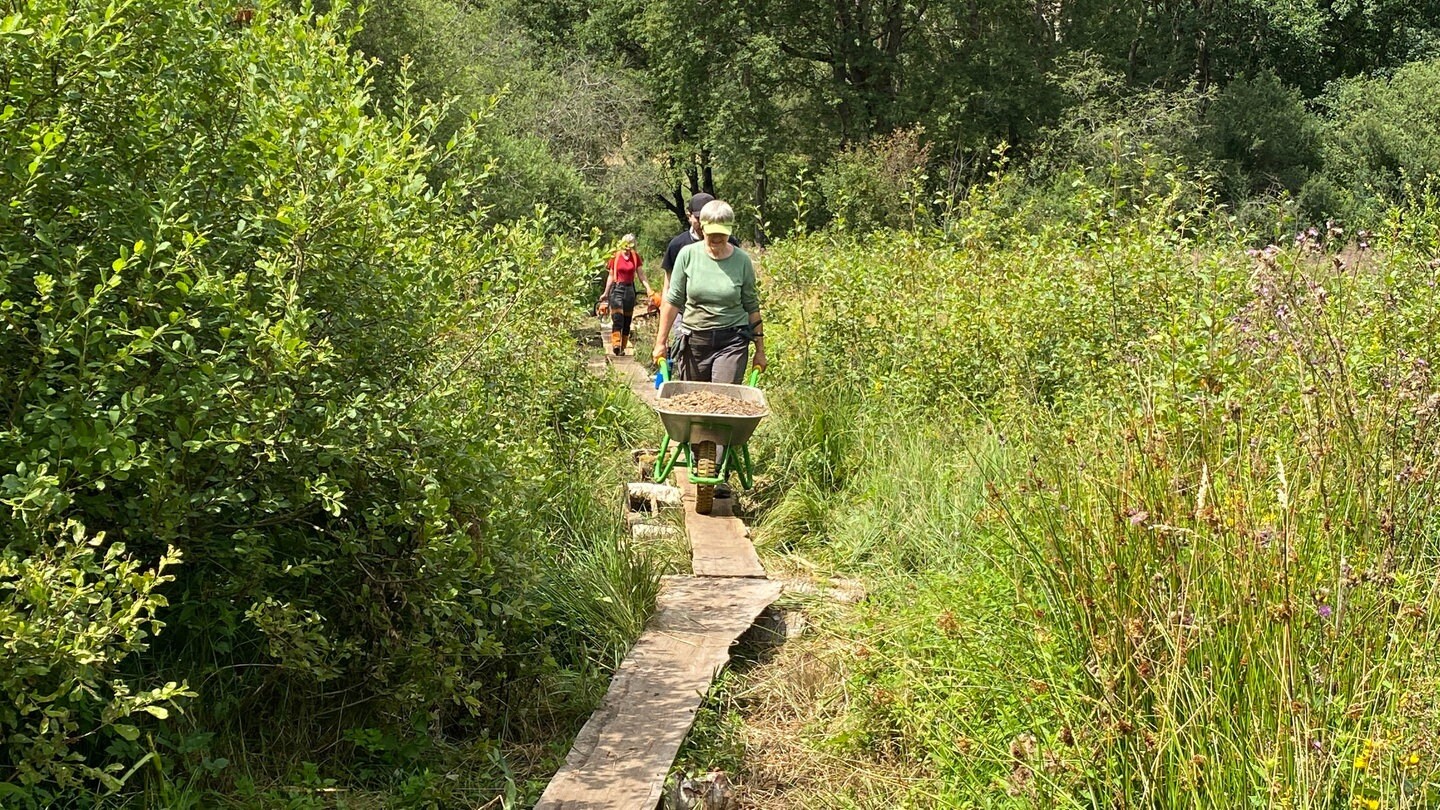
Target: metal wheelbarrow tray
[(688, 427)]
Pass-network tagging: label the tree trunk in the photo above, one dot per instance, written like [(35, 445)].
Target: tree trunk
[(1202, 61), (707, 173), (762, 190), (692, 173), (675, 204)]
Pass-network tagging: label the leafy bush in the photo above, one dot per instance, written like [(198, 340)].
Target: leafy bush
[(878, 185), (262, 347), (1378, 135), (69, 615), (1259, 127), (1105, 124), (567, 132)]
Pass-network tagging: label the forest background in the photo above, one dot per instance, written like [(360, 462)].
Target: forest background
[(305, 490)]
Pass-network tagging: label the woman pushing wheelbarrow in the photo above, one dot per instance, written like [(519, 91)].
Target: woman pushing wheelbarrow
[(714, 285)]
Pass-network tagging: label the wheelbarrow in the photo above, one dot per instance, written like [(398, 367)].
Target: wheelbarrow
[(691, 439)]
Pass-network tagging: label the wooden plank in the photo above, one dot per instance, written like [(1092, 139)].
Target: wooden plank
[(647, 497), (623, 753), (719, 547), (642, 382), (636, 376), (639, 378), (650, 532), (719, 542)]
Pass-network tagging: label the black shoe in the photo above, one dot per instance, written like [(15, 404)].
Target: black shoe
[(615, 350), (723, 491)]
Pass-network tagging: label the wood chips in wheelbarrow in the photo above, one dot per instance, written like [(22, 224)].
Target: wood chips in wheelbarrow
[(707, 402)]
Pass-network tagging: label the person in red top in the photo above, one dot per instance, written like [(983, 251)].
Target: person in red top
[(624, 269)]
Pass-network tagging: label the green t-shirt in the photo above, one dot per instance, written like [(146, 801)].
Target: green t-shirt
[(713, 294)]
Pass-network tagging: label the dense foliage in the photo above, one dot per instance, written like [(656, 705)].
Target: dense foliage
[(567, 131), (300, 471), (278, 451), (613, 112), (746, 95)]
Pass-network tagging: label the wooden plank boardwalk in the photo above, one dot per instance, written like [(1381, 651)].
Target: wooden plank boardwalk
[(621, 757)]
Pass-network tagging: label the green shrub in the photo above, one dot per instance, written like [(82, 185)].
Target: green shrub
[(303, 399), (1379, 135), (566, 133), (1110, 133), (70, 613), (1259, 127), (880, 184)]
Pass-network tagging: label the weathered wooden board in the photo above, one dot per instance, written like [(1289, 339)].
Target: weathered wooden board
[(649, 532), (653, 496), (622, 755), (719, 547), (719, 542), (597, 365), (636, 376), (642, 382)]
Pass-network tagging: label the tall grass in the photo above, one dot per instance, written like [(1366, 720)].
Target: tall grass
[(1146, 519)]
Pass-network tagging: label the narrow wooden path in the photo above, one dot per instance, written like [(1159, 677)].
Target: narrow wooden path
[(621, 757)]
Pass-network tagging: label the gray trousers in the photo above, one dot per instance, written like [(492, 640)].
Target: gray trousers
[(714, 355), (717, 356)]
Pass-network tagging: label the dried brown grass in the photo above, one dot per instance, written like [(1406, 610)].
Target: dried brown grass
[(792, 704)]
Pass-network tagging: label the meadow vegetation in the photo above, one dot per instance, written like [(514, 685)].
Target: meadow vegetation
[(1143, 505), (308, 500)]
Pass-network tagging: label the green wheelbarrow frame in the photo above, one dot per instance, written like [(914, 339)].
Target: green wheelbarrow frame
[(731, 431)]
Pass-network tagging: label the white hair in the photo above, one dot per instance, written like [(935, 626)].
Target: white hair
[(717, 211)]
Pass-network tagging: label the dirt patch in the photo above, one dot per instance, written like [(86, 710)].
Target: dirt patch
[(707, 402)]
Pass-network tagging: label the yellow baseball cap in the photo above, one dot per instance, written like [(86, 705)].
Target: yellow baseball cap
[(718, 227)]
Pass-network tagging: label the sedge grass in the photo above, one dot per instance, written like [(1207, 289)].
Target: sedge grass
[(1196, 568)]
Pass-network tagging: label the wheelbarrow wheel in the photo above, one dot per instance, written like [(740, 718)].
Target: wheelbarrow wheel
[(704, 468)]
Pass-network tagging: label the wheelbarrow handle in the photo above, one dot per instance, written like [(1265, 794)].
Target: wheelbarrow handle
[(753, 378)]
